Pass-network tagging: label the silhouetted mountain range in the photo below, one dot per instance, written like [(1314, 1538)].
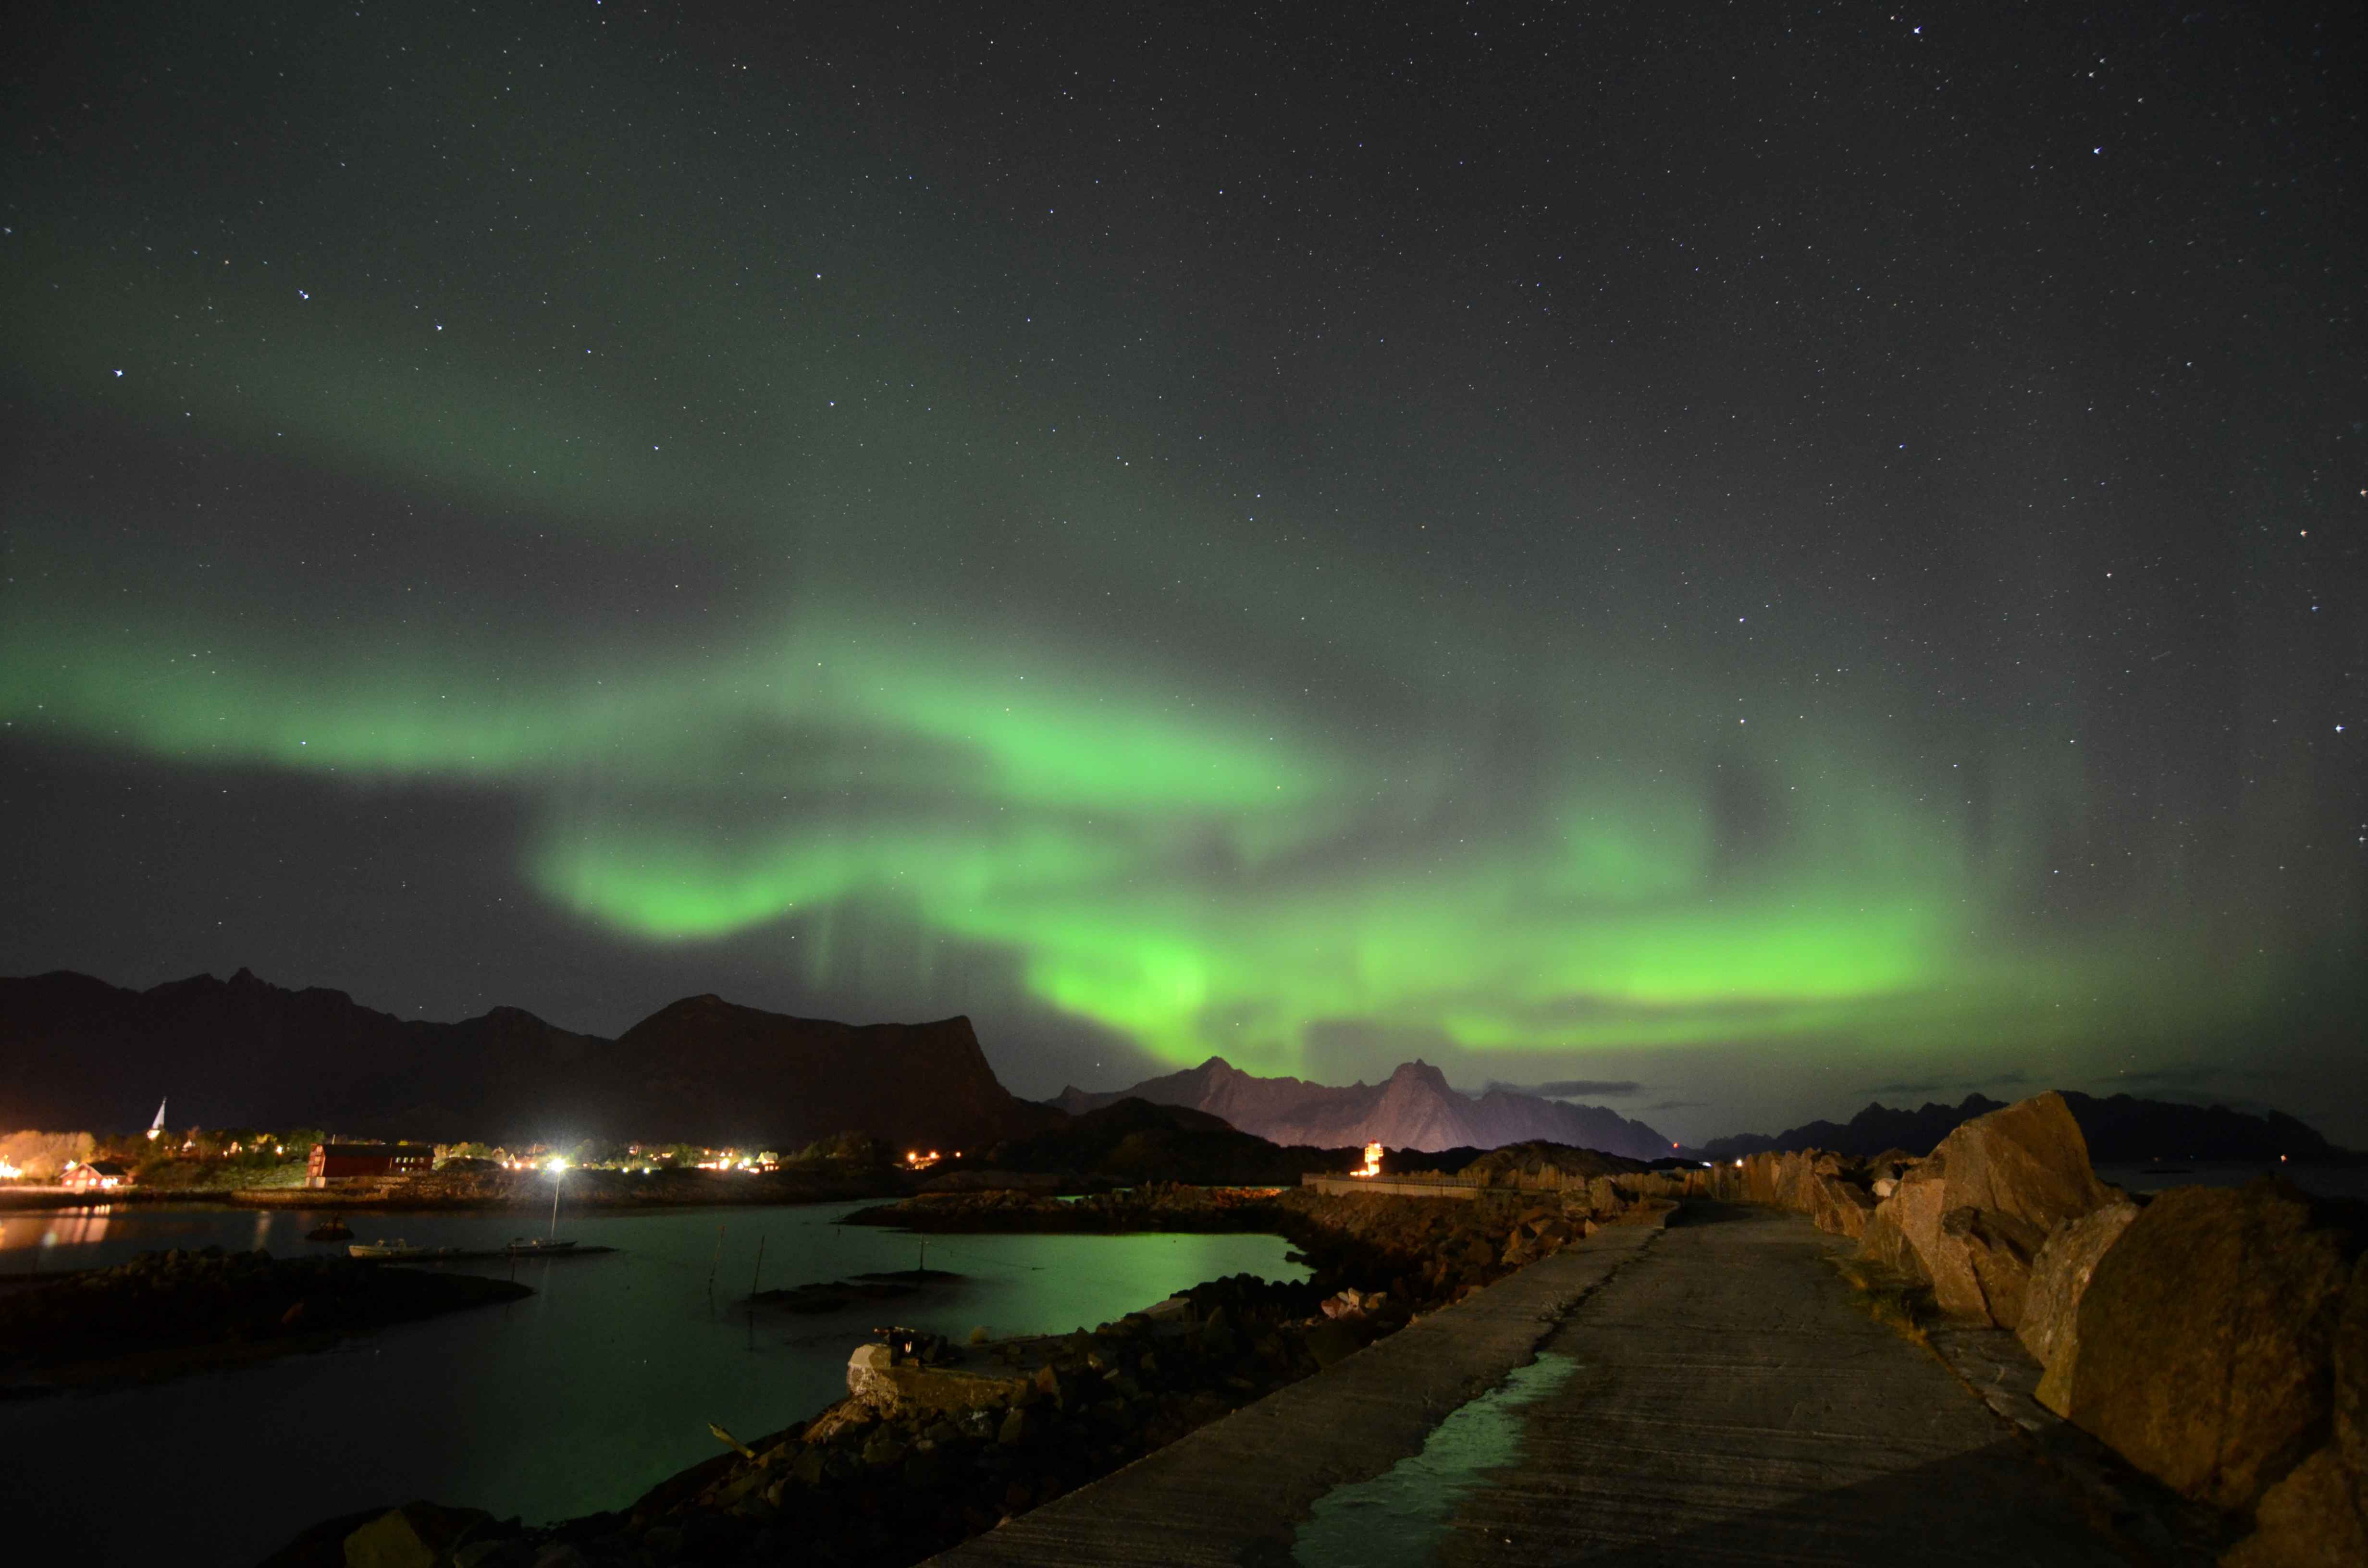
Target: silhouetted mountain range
[(1136, 1141), (78, 1053), (2122, 1130), (1413, 1108)]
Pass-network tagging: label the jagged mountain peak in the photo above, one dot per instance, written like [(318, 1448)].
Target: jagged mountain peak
[(1414, 1107), (1420, 1072)]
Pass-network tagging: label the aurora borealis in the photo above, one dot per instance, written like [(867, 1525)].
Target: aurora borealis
[(1777, 557)]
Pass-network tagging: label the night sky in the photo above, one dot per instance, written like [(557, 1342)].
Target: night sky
[(1727, 559)]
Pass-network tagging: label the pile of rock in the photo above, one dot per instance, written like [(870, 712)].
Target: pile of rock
[(1428, 1252), (2216, 1337), (2218, 1340), (928, 1449), (1838, 1192), (1972, 1215)]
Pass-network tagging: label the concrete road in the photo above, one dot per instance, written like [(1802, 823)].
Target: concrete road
[(1729, 1402)]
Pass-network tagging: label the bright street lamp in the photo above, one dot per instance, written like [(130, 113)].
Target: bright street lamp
[(558, 1168)]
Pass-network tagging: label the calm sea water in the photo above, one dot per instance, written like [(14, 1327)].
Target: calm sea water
[(2328, 1181), (576, 1399)]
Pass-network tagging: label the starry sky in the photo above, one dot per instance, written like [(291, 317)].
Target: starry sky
[(1725, 561)]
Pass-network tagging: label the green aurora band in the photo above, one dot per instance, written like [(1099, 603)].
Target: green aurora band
[(1196, 877)]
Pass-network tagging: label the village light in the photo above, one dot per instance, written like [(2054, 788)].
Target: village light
[(1372, 1165), (557, 1166)]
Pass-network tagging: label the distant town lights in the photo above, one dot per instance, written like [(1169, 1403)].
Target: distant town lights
[(557, 1166)]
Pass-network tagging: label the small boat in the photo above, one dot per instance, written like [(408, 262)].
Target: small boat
[(332, 1229), (397, 1250), (536, 1246)]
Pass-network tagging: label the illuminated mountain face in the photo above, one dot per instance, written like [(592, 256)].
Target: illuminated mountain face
[(1195, 583)]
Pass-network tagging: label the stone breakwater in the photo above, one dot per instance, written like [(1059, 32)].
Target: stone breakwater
[(2217, 1338), (936, 1443)]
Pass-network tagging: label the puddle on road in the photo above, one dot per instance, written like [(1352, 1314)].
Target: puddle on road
[(1399, 1518)]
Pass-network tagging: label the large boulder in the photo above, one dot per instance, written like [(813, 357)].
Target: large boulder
[(2352, 1386), (2023, 1172), (2051, 1307), (1906, 1227), (418, 1535), (888, 1385), (2028, 1160), (1986, 1264), (2307, 1520), (2207, 1336), (1842, 1207)]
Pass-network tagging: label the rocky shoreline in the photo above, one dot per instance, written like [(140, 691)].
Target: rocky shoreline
[(164, 1313)]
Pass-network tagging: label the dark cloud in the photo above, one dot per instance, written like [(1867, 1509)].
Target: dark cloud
[(2013, 1079), (1678, 1105), (1575, 1088), (2199, 1073)]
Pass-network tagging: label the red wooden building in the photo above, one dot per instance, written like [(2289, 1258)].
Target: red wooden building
[(344, 1162), (94, 1175)]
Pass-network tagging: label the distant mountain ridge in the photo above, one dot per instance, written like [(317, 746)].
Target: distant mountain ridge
[(1412, 1109), (78, 1053), (1136, 1141), (2120, 1130)]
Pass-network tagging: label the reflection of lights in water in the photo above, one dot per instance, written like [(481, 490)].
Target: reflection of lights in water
[(76, 1228)]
